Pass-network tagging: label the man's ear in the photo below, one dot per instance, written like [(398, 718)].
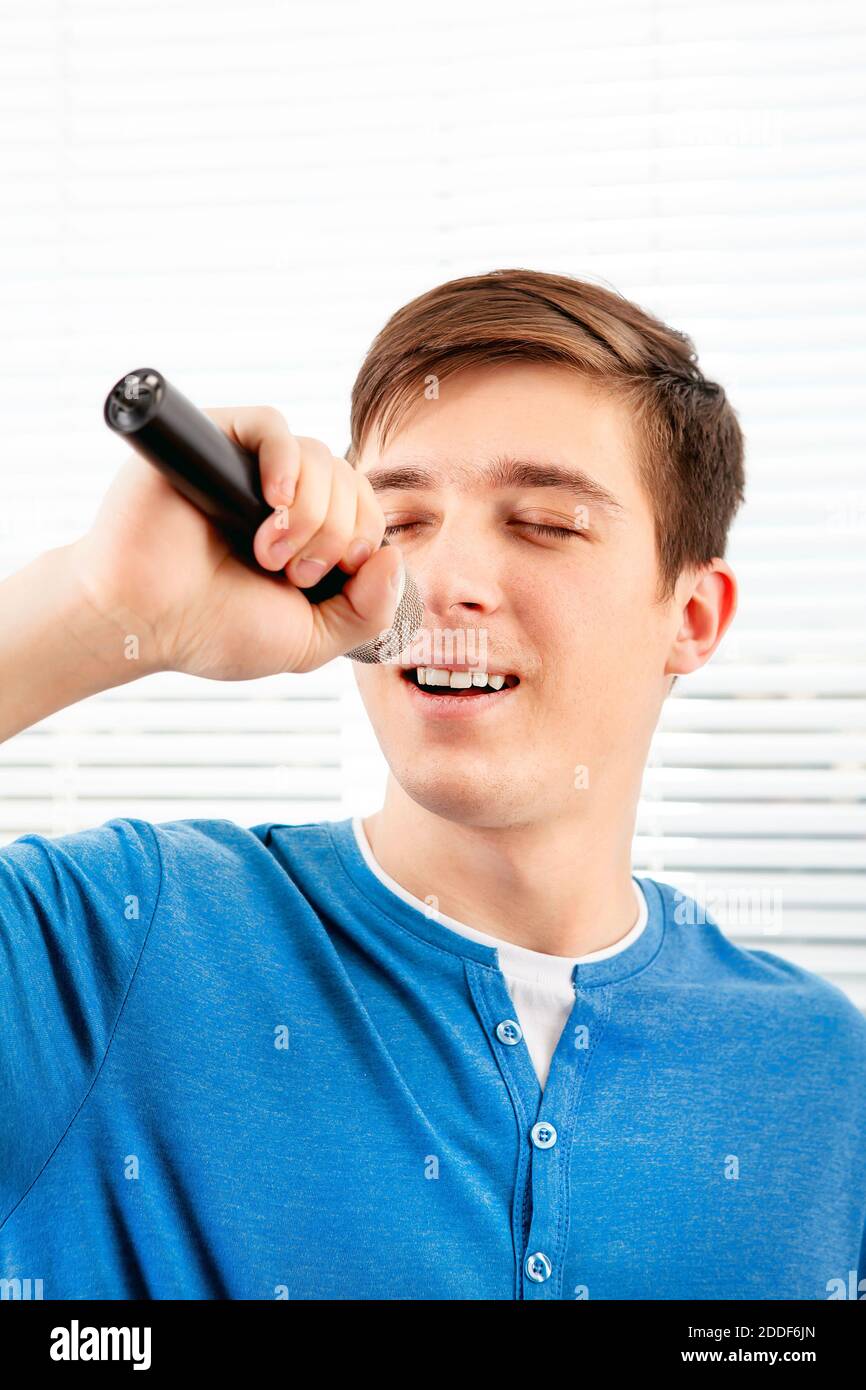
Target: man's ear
[(705, 603)]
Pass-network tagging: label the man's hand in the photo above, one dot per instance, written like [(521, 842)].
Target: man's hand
[(153, 566)]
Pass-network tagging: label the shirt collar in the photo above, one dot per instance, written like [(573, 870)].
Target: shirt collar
[(619, 961), (518, 962)]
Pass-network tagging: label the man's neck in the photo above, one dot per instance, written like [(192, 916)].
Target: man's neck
[(559, 886)]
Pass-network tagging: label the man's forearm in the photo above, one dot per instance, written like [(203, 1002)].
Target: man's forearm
[(55, 647)]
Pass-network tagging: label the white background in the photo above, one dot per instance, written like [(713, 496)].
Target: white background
[(240, 195)]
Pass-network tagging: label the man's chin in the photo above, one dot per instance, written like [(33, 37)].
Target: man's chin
[(466, 797)]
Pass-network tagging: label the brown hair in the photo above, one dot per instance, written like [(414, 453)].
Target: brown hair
[(691, 453)]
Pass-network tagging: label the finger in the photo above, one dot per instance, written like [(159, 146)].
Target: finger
[(263, 431), (288, 529), (369, 520), (355, 524), (324, 546)]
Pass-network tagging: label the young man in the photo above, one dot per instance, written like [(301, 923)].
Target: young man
[(456, 1050)]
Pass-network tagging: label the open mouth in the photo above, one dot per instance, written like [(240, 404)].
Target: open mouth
[(462, 685)]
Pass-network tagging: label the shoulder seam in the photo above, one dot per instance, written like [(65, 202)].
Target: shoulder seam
[(96, 1074)]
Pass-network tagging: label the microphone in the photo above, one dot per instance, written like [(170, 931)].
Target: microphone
[(222, 480)]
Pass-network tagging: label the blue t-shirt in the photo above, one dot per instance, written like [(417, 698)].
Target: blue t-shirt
[(234, 1063)]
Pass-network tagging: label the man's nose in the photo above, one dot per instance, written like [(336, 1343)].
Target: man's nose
[(457, 572)]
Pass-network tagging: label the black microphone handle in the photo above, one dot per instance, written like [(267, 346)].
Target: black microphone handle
[(218, 476)]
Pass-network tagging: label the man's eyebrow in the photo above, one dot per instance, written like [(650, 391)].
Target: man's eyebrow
[(501, 472)]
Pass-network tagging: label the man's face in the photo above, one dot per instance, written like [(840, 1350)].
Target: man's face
[(574, 616)]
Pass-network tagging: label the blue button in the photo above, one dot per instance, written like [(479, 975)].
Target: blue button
[(537, 1267), (509, 1031), (544, 1136)]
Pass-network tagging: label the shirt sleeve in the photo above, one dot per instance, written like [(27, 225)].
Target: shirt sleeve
[(74, 916)]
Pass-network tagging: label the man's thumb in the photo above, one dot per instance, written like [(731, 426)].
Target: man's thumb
[(364, 609)]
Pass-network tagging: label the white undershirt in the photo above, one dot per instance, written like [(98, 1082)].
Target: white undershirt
[(539, 984)]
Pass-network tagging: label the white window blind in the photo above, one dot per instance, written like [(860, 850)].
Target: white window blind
[(239, 195)]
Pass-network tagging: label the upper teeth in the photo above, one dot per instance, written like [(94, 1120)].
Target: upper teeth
[(434, 675)]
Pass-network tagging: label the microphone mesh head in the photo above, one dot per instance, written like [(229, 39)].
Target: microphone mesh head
[(407, 621)]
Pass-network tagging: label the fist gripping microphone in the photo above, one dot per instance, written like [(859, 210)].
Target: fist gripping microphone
[(222, 480)]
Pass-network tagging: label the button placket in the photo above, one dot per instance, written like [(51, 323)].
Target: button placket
[(497, 1015), (543, 1168), (543, 1246), (551, 1141)]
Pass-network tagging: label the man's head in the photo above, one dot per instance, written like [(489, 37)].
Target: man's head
[(485, 389)]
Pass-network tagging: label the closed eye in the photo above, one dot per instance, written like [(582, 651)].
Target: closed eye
[(538, 527), (541, 529)]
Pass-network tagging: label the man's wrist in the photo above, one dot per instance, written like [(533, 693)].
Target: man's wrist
[(116, 643), (57, 646)]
